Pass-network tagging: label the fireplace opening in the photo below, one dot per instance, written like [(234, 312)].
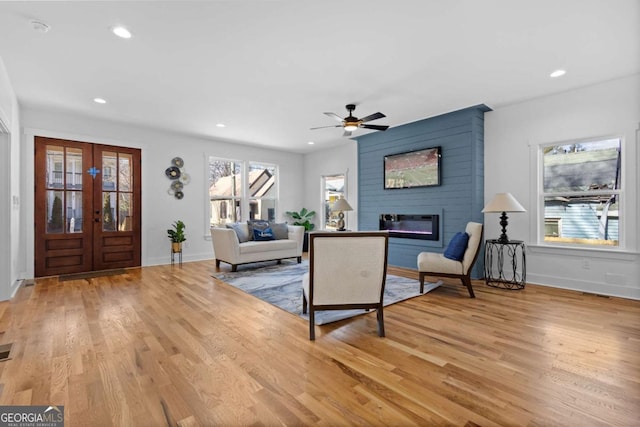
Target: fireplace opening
[(423, 227)]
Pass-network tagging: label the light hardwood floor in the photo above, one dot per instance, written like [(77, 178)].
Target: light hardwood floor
[(173, 346)]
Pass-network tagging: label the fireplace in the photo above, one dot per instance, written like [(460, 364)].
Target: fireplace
[(423, 227)]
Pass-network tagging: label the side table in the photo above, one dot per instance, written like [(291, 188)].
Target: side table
[(509, 261)]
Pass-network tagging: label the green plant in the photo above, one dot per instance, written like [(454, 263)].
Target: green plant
[(303, 218), (177, 233)]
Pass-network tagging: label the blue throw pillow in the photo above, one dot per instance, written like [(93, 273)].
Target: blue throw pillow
[(262, 235), (257, 224), (457, 246)]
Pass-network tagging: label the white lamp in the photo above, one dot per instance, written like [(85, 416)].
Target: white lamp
[(340, 206), (503, 202)]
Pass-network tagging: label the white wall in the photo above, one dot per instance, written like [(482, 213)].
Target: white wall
[(512, 135), (336, 160), (610, 108), (10, 187), (159, 209)]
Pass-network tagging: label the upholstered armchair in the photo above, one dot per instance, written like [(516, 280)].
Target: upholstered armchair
[(347, 270), (436, 264)]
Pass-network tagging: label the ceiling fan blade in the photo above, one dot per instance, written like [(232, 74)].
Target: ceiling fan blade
[(347, 133), (373, 116), (334, 116), (375, 127), (323, 127)]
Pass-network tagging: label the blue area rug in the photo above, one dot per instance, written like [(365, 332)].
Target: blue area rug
[(281, 285)]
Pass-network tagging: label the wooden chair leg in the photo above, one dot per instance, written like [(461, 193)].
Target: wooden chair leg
[(380, 322), (299, 259), (217, 263), (422, 282), (312, 324), (467, 282), (234, 267)]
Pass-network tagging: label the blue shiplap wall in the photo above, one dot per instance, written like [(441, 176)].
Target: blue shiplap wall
[(458, 200)]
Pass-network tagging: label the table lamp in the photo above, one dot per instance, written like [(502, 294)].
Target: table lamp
[(341, 205), (503, 202)]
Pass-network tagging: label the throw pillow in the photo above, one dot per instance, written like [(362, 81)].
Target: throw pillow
[(256, 224), (262, 235), (242, 232), (280, 230), (457, 246)]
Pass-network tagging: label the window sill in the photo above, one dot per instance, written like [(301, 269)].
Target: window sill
[(608, 253)]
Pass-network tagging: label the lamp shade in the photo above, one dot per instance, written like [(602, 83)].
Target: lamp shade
[(341, 205), (503, 202)]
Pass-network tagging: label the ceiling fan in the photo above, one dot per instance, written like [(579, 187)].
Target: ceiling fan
[(351, 123)]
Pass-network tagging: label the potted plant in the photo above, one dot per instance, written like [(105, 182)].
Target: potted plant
[(303, 218), (177, 236)]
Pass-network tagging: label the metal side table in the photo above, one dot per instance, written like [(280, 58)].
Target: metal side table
[(505, 264)]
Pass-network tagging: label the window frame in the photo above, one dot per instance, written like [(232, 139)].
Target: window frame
[(541, 195), (208, 160), (323, 199)]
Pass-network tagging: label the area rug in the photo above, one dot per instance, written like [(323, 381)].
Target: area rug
[(281, 285)]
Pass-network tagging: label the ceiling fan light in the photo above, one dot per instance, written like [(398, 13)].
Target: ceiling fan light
[(350, 127)]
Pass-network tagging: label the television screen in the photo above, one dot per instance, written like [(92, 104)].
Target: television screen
[(419, 168)]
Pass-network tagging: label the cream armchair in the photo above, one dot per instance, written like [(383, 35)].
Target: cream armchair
[(435, 264), (347, 270)]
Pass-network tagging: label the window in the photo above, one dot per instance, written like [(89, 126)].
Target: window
[(262, 191), (229, 196), (333, 187), (582, 192), (225, 191)]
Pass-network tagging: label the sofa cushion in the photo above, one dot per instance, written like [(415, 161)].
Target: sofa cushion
[(256, 224), (267, 246), (242, 231), (457, 246), (434, 262), (280, 230), (263, 235)]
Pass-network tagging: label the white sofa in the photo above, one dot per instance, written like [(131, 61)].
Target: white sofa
[(227, 248)]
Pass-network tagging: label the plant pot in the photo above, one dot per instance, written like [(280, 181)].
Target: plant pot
[(305, 242), (176, 247)]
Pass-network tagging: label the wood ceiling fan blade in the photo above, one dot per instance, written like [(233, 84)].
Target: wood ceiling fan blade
[(373, 116), (334, 116), (375, 127), (347, 133), (323, 127)]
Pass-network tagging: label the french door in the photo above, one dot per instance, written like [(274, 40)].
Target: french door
[(87, 207)]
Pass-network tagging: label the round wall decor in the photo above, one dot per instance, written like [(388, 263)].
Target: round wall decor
[(172, 172), (178, 178)]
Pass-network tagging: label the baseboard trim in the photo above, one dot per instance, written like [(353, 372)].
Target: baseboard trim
[(585, 286)]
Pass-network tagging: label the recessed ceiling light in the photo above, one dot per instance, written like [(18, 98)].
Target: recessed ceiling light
[(558, 73), (121, 32), (40, 26), (221, 125), (99, 100), (310, 142)]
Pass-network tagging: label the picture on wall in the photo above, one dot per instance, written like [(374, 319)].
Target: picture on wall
[(420, 168)]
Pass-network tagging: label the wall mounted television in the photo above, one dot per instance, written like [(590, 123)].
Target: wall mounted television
[(420, 168)]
